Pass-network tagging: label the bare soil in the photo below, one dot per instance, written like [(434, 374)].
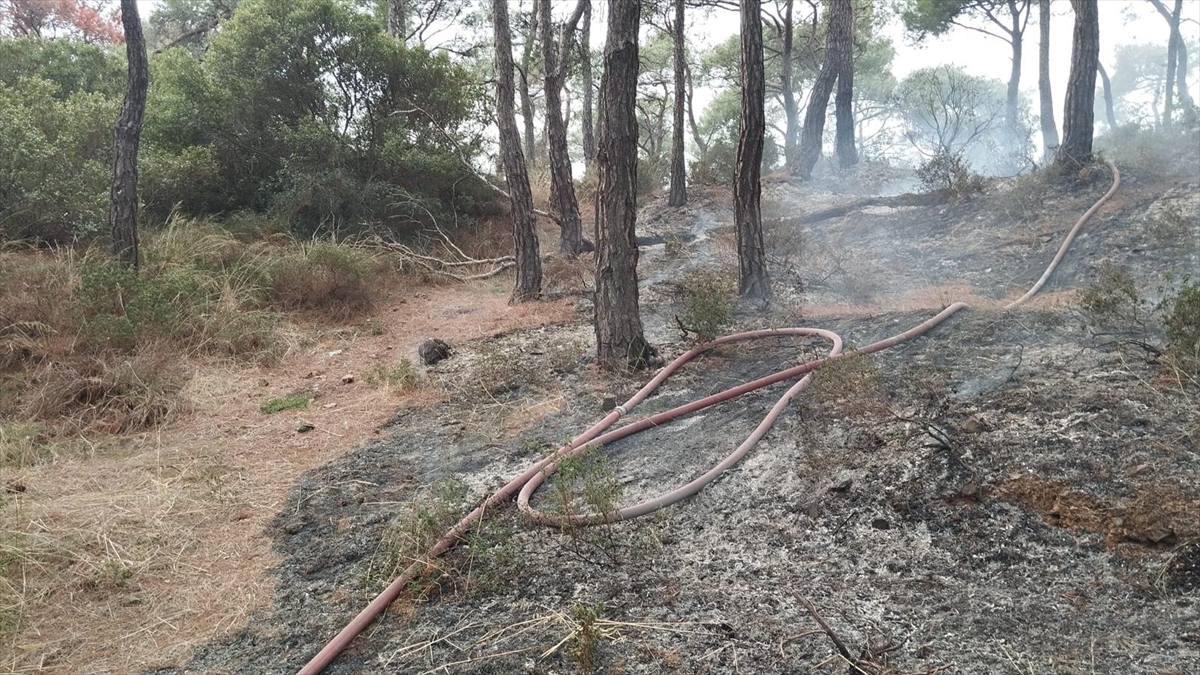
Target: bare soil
[(1009, 493)]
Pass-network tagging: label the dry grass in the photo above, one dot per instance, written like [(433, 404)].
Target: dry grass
[(154, 540)]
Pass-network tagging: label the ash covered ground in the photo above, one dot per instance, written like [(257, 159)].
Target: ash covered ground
[(1011, 493)]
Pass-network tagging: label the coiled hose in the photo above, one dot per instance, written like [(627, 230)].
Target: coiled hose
[(524, 485)]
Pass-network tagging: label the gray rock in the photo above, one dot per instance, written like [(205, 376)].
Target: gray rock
[(433, 350)]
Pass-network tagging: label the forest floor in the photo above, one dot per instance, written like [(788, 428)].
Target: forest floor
[(1010, 493)]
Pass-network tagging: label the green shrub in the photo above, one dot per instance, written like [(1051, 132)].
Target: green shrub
[(325, 276), (1182, 322), (705, 299), (282, 403), (950, 173)]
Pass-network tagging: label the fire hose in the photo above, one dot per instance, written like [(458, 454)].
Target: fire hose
[(524, 485)]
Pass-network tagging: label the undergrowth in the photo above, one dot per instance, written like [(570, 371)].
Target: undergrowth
[(705, 300), (87, 344), (1118, 312), (950, 173)]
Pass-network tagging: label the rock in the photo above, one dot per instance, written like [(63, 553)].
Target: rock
[(347, 379), (608, 403), (974, 425), (305, 427), (433, 350), (841, 486), (881, 524)]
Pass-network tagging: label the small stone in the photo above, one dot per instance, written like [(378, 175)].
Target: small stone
[(842, 486), (293, 526), (974, 425), (881, 524), (305, 427), (327, 406), (433, 350), (608, 403), (347, 379), (1137, 470), (14, 487), (131, 600)]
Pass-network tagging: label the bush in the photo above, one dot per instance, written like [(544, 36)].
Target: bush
[(325, 276), (705, 299), (1182, 322), (54, 162), (950, 173)]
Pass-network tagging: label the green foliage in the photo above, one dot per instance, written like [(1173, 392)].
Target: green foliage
[(719, 126), (1114, 306), (1181, 312), (421, 522), (71, 66), (54, 166), (586, 636), (282, 403), (322, 275), (705, 300), (949, 172)]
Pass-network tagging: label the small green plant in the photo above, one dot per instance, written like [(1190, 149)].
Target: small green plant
[(674, 246), (421, 522), (951, 173), (1170, 224), (852, 383), (1182, 322), (281, 403), (705, 299), (586, 636), (399, 376), (23, 444), (587, 484)]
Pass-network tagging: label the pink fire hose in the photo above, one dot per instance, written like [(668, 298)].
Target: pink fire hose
[(524, 485)]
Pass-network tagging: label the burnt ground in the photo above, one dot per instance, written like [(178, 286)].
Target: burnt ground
[(1010, 493)]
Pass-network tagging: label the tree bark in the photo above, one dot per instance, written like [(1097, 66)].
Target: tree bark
[(1079, 113), (562, 186), (844, 108), (620, 342), (585, 67), (526, 97), (122, 218), (1046, 100), (1172, 61), (747, 184), (397, 19), (1108, 97), (1011, 101), (837, 48), (1184, 96), (791, 110), (678, 193), (528, 257)]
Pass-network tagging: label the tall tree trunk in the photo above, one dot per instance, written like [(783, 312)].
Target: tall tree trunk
[(122, 217), (837, 47), (585, 67), (1172, 19), (529, 262), (844, 110), (791, 110), (620, 342), (1011, 102), (527, 98), (1049, 128), (678, 194), (1079, 113), (562, 186), (1172, 61), (1108, 97), (701, 144), (747, 186), (397, 19)]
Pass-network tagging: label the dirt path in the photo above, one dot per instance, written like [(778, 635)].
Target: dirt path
[(161, 536)]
